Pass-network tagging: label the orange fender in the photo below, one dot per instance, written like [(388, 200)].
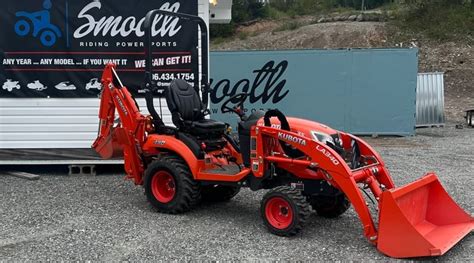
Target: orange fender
[(157, 143)]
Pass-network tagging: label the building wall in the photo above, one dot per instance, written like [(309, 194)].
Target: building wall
[(58, 123)]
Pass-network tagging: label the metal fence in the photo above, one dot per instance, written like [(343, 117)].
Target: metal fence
[(430, 100)]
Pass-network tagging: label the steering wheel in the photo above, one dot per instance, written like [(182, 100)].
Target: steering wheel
[(240, 98)]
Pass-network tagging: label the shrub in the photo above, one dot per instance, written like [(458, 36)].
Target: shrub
[(439, 19), (288, 26)]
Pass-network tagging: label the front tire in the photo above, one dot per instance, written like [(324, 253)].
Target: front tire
[(169, 185), (284, 211)]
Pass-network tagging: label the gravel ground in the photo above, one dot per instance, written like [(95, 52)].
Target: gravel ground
[(105, 218)]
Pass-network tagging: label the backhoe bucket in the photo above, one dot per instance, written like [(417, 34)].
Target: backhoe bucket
[(108, 147), (420, 219)]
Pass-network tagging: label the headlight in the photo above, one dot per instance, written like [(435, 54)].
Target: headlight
[(322, 137)]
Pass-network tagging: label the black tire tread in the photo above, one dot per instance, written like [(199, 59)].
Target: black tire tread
[(340, 206), (191, 189), (303, 209)]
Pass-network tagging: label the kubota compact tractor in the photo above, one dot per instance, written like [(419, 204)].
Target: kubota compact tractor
[(306, 165)]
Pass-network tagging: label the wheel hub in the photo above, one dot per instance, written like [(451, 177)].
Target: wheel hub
[(163, 186), (284, 211), (279, 213)]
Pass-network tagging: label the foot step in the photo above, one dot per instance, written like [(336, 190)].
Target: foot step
[(75, 169), (225, 170)]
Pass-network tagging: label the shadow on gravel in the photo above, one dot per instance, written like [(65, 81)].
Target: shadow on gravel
[(58, 170), (37, 169)]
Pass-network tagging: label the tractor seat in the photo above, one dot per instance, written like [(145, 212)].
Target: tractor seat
[(188, 111), (205, 126)]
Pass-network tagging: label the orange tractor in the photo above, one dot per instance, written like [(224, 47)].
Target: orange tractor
[(306, 165)]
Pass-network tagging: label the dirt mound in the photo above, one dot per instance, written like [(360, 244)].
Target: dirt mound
[(455, 59), (324, 35)]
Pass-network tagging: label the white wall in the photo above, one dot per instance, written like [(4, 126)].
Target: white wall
[(59, 123)]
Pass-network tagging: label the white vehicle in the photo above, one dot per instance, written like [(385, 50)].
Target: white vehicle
[(65, 85), (10, 85), (37, 85), (94, 84)]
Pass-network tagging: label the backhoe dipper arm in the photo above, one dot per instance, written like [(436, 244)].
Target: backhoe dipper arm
[(106, 118), (104, 144)]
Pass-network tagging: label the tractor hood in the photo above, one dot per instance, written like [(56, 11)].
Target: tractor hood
[(307, 128)]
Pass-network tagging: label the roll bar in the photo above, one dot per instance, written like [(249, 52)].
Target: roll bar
[(149, 87)]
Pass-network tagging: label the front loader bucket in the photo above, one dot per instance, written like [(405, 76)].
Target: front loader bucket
[(420, 219)]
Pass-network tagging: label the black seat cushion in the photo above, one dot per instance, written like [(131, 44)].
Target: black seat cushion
[(188, 111), (205, 126)]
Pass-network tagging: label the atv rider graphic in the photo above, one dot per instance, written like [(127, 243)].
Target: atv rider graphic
[(10, 85), (94, 84), (41, 23)]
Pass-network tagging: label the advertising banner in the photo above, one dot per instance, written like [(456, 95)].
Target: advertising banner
[(363, 91), (58, 48)]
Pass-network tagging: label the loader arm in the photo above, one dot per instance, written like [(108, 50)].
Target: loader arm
[(127, 137)]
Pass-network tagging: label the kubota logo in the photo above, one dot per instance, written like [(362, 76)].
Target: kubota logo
[(291, 138), (121, 105), (327, 154)]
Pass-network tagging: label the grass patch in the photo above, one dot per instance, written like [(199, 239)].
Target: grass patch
[(288, 26), (219, 40), (243, 35), (341, 10), (390, 7), (275, 14), (437, 21)]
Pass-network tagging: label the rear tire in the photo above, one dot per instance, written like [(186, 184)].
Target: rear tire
[(169, 185), (218, 193), (284, 211), (330, 206)]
